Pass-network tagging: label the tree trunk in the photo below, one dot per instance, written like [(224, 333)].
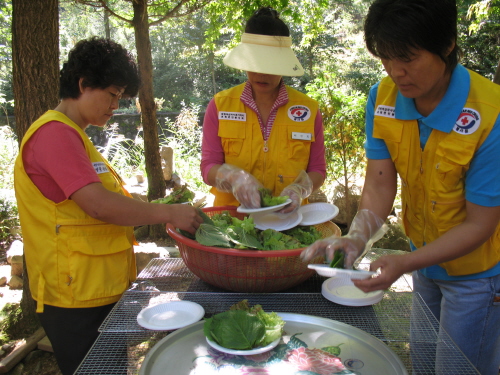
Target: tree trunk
[(35, 51), (156, 182), (35, 72), (107, 28), (496, 79)]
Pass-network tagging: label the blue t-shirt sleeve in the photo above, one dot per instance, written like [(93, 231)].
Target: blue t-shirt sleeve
[(375, 148), (482, 180)]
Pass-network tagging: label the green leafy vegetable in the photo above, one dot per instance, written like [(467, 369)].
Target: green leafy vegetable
[(229, 231), (244, 327), (338, 259), (235, 329), (181, 195), (242, 238), (267, 199), (210, 235)]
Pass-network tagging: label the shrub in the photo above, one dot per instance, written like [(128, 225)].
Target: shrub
[(9, 219)]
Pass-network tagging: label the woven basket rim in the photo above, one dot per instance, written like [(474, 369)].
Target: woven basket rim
[(172, 232)]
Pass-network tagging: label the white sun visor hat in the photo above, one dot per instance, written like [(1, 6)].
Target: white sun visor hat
[(265, 54)]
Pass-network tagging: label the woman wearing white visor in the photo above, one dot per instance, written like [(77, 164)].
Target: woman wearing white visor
[(263, 133)]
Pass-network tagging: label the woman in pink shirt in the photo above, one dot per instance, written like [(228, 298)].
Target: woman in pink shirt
[(266, 55)]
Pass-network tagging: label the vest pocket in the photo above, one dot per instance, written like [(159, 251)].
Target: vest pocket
[(232, 146), (449, 173), (391, 132), (232, 136), (298, 149), (99, 266)]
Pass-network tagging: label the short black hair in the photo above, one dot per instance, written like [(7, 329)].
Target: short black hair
[(394, 27), (101, 63), (266, 21)]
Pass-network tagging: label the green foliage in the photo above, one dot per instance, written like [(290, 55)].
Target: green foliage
[(10, 316), (184, 137), (8, 152), (343, 119), (126, 156), (9, 218), (479, 35)]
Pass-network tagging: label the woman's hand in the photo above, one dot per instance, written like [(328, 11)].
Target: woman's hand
[(297, 191), (183, 216), (391, 268), (240, 183)]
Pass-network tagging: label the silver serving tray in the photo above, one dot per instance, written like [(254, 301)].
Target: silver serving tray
[(185, 351)]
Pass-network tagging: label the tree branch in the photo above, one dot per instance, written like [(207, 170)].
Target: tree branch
[(104, 5), (175, 12)]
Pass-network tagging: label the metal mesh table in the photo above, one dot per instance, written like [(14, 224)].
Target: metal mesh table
[(123, 343)]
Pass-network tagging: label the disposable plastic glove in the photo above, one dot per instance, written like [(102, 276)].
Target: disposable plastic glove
[(297, 191), (366, 228), (244, 186)]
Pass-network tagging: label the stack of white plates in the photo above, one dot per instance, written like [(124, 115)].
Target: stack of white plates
[(309, 214), (341, 290)]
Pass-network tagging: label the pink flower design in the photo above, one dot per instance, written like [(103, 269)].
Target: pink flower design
[(253, 371), (219, 357), (315, 360), (259, 357)]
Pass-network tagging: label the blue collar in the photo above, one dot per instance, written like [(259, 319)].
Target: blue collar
[(448, 109)]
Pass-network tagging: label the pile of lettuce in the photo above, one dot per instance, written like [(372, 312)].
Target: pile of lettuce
[(224, 230), (243, 327)]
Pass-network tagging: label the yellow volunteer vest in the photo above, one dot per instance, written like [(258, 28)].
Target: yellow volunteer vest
[(433, 180), (276, 163), (72, 259)]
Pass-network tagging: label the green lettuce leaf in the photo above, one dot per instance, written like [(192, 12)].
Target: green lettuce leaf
[(235, 329), (210, 235)]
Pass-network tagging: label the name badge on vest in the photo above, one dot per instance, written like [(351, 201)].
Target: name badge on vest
[(234, 116), (385, 111), (302, 136), (100, 167)]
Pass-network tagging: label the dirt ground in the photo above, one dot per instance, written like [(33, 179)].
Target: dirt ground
[(37, 362)]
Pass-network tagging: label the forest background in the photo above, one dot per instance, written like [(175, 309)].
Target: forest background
[(180, 45)]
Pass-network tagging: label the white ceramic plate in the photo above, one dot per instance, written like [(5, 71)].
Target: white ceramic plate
[(244, 210), (170, 315), (258, 350), (327, 271), (341, 290), (317, 213), (276, 221)]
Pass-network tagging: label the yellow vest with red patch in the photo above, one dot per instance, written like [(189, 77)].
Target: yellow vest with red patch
[(277, 162), (73, 260), (433, 180)]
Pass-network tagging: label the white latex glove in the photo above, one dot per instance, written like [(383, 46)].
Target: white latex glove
[(244, 186), (366, 228), (297, 191)]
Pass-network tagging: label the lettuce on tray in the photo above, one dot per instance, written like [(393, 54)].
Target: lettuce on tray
[(243, 327), (224, 230)]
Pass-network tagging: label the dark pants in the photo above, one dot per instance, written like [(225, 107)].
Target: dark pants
[(72, 332)]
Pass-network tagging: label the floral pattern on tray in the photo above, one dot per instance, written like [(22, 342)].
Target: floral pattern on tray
[(292, 358)]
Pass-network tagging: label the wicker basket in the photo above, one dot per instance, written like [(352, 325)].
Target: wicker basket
[(251, 271)]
